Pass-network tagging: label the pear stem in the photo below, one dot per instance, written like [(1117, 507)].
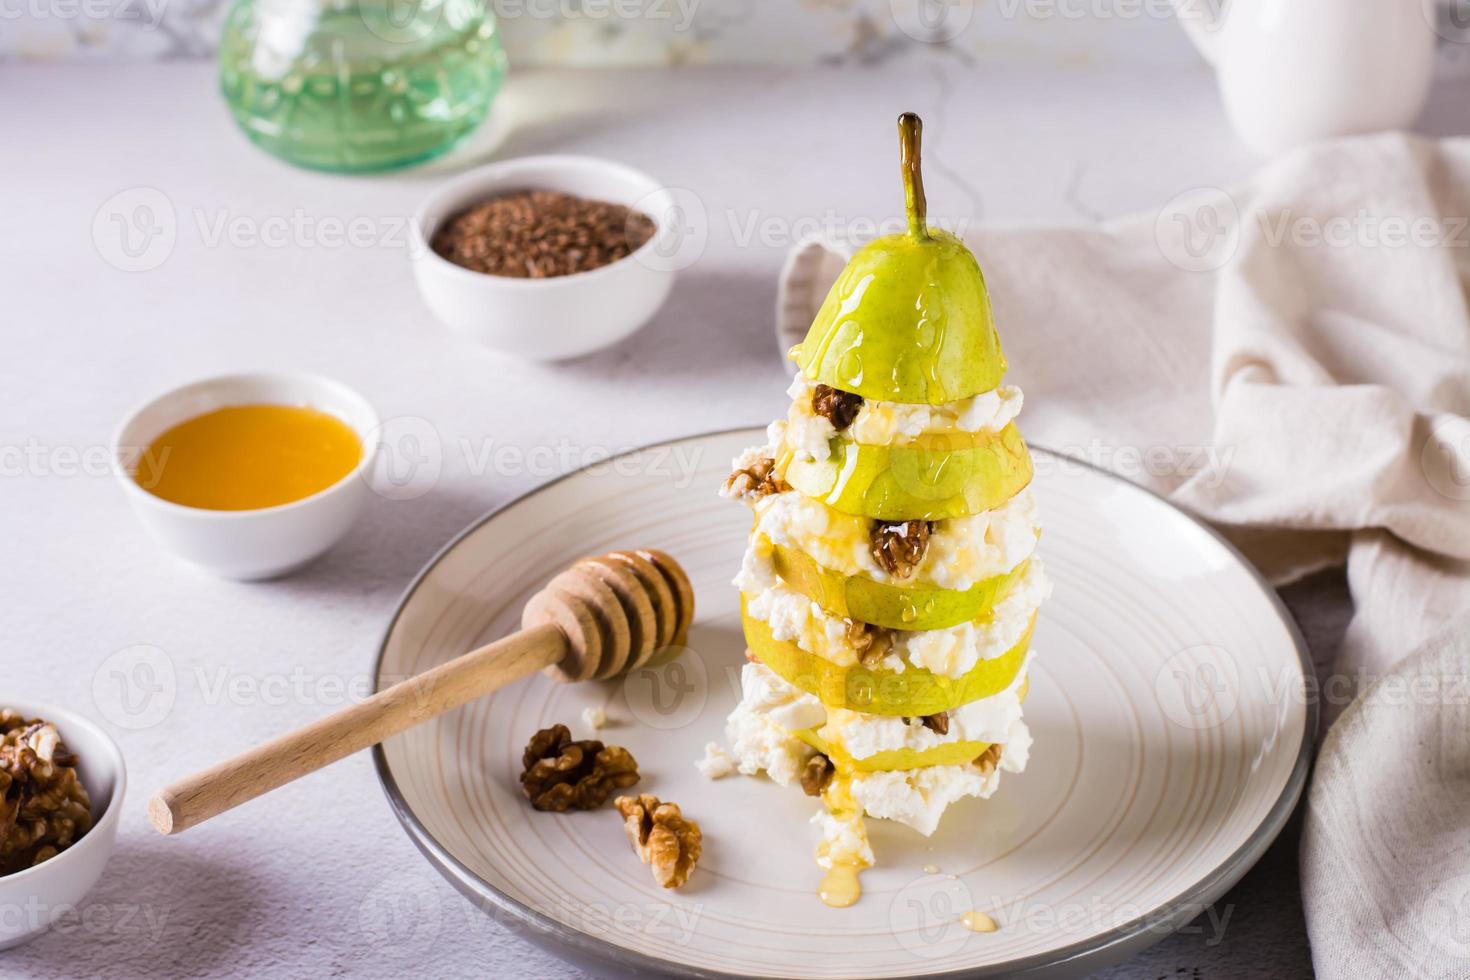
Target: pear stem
[(910, 135)]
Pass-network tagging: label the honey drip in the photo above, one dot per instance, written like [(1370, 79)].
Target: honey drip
[(840, 887), (978, 922)]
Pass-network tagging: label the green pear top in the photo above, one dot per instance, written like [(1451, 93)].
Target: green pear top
[(908, 320)]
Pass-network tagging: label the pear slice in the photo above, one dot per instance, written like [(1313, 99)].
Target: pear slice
[(911, 607), (934, 477), (877, 690), (909, 318), (948, 754)]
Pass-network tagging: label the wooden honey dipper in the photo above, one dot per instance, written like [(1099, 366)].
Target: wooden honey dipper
[(602, 617)]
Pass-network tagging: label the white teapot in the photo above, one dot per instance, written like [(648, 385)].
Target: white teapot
[(1291, 71)]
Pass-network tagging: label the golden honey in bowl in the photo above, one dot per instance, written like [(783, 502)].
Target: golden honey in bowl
[(246, 457)]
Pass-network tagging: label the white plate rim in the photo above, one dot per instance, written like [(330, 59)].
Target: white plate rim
[(1091, 953)]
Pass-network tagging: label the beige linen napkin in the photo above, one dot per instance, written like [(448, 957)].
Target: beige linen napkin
[(1291, 360)]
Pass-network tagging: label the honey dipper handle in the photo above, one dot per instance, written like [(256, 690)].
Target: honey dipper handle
[(270, 766)]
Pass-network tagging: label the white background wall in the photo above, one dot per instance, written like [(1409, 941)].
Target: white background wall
[(651, 32)]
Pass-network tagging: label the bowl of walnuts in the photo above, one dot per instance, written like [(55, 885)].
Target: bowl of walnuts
[(62, 781)]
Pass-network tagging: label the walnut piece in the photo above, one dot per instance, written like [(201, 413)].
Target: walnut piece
[(837, 406), (44, 808), (757, 478), (898, 547), (664, 838), (816, 774), (870, 643), (989, 759), (938, 724), (562, 774)]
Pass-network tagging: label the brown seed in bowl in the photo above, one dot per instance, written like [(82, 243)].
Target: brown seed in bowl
[(538, 234)]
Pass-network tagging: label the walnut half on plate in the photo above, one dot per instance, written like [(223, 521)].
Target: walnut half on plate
[(664, 838), (563, 774)]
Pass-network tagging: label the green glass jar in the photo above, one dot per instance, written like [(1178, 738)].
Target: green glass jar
[(360, 85)]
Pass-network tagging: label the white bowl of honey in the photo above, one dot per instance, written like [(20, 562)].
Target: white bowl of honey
[(249, 476)]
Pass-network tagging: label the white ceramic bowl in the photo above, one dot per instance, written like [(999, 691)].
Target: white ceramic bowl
[(562, 316), (31, 900), (249, 544)]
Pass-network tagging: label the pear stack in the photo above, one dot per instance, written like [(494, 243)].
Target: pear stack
[(891, 585)]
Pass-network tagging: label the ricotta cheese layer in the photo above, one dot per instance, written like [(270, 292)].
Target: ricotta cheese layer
[(890, 423), (919, 797), (951, 652), (761, 735), (961, 552)]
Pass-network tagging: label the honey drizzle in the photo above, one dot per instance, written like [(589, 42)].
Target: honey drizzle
[(840, 886)]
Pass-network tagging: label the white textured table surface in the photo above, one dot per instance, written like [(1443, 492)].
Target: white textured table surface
[(311, 881)]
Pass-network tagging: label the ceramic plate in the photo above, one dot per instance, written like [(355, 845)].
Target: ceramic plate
[(1166, 704)]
